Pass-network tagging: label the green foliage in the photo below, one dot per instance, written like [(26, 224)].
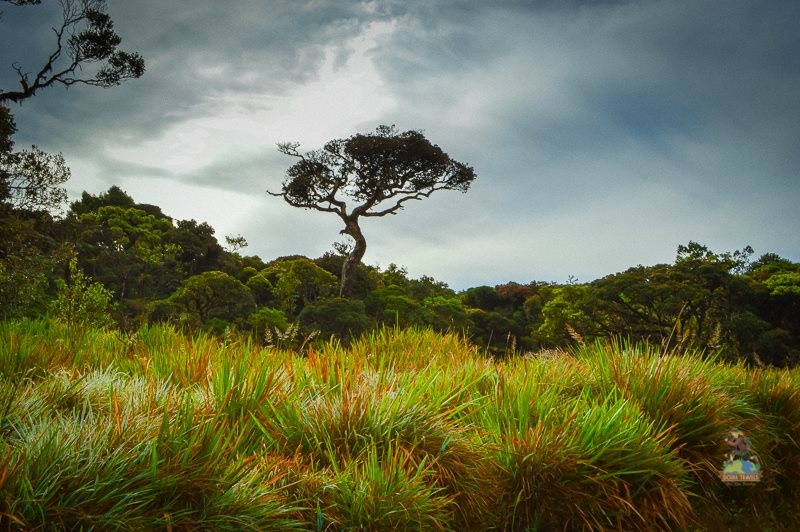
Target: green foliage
[(80, 302), (235, 243), (140, 254), (715, 302), (705, 301), (113, 197), (481, 297), (563, 315), (212, 295), (23, 284), (199, 249), (298, 282), (261, 289), (266, 317), (336, 317), (444, 314), (391, 306), (7, 129), (32, 179), (784, 284), (363, 279), (492, 330), (426, 287), (126, 249), (30, 194)]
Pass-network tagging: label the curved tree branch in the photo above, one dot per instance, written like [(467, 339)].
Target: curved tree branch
[(86, 36)]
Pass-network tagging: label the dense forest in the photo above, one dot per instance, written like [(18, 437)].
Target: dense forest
[(107, 260)]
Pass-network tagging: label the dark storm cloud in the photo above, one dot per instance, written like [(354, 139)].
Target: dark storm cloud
[(574, 105)]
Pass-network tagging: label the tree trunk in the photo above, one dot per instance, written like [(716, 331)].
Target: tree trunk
[(354, 258)]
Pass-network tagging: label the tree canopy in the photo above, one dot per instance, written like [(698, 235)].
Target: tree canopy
[(369, 175)]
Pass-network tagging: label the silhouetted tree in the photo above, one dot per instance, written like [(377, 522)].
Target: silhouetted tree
[(85, 38), (379, 172)]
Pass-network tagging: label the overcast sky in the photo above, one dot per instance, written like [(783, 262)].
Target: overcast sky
[(604, 134)]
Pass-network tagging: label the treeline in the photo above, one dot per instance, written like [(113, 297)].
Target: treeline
[(156, 269)]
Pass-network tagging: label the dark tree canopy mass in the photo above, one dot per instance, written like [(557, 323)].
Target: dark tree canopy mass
[(367, 176)]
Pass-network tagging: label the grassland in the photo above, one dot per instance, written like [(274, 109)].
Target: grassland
[(401, 430)]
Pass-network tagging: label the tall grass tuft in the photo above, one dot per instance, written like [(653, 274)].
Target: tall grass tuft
[(99, 452), (774, 430), (679, 392), (416, 414), (573, 461), (539, 465), (411, 349), (33, 347), (386, 489)]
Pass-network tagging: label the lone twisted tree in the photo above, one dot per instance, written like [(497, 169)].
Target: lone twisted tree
[(379, 172)]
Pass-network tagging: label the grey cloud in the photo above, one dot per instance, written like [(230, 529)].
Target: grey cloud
[(649, 71)]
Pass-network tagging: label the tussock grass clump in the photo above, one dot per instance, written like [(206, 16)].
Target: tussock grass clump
[(774, 395), (371, 412), (34, 347), (403, 429), (100, 451), (572, 461), (677, 391), (387, 489), (539, 465), (632, 462), (411, 349)]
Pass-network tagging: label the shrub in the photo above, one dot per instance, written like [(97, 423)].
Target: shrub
[(81, 303)]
